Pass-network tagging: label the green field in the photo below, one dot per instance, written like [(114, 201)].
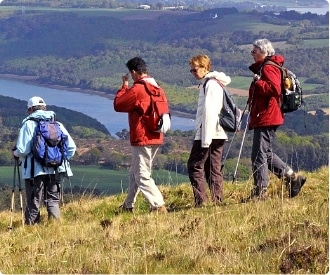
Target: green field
[(243, 82), (316, 43), (108, 181)]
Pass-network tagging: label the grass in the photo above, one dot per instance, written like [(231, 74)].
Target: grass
[(106, 180), (316, 43), (280, 235), (243, 82)]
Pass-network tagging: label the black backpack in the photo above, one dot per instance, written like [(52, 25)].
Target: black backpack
[(292, 97), (230, 115), (50, 144)]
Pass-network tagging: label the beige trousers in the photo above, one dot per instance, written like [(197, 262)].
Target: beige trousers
[(140, 177)]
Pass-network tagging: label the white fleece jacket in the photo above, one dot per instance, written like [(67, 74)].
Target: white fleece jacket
[(210, 102)]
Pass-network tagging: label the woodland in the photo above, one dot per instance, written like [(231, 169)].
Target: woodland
[(88, 48)]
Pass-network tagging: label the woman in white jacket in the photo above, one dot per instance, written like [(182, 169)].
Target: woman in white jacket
[(204, 162)]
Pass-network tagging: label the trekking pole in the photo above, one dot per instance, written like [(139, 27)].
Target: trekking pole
[(240, 150), (16, 168), (61, 187), (232, 139), (249, 103), (12, 198), (20, 191)]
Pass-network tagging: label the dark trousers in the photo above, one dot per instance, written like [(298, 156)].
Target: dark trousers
[(263, 158), (205, 164), (45, 187)]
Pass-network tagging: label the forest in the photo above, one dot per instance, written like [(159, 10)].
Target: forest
[(88, 48)]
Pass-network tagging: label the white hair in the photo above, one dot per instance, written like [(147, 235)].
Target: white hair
[(265, 46)]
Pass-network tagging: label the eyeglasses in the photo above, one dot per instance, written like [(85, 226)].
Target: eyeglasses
[(193, 70)]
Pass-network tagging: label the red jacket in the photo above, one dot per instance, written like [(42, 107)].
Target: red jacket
[(135, 101), (265, 94)]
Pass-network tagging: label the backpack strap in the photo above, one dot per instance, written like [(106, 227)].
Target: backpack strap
[(32, 157), (269, 62), (146, 87), (152, 106), (283, 75), (217, 80)]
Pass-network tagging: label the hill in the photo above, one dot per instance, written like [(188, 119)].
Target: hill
[(12, 114), (279, 235), (86, 48)]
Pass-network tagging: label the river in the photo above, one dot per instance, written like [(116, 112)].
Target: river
[(317, 10), (98, 107)]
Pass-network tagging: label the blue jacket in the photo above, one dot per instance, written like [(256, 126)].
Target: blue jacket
[(24, 145)]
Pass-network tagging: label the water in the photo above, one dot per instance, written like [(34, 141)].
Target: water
[(317, 10), (95, 106)]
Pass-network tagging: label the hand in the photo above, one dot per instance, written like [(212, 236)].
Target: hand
[(14, 157), (125, 79), (256, 77)]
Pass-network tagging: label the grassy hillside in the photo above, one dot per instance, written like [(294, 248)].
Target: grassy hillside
[(279, 235)]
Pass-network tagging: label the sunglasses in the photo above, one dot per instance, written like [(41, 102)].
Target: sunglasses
[(193, 70)]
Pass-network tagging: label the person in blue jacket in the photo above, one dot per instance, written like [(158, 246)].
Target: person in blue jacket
[(40, 181)]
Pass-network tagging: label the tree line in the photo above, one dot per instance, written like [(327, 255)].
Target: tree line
[(89, 52), (303, 150)]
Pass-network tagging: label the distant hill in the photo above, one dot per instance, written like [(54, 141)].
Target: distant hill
[(12, 112)]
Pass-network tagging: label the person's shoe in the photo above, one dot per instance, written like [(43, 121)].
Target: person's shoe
[(202, 204), (256, 195), (161, 209), (123, 208), (294, 184)]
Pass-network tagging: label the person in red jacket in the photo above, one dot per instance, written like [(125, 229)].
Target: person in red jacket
[(265, 117), (144, 143)]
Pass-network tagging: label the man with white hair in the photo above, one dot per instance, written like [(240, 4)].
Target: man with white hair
[(40, 180)]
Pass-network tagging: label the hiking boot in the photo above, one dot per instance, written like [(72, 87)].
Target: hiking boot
[(161, 209), (256, 195), (123, 209), (294, 184)]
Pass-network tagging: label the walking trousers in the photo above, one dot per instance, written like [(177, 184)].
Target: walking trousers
[(46, 187), (140, 177), (205, 164), (263, 158)]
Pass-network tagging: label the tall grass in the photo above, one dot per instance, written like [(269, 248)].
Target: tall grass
[(279, 235)]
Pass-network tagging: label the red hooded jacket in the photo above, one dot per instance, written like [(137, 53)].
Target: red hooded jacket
[(265, 94), (135, 101)]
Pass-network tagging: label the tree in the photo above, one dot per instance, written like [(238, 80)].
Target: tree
[(124, 134)]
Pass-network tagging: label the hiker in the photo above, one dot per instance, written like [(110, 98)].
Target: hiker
[(40, 181), (145, 143), (204, 162), (265, 118)]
